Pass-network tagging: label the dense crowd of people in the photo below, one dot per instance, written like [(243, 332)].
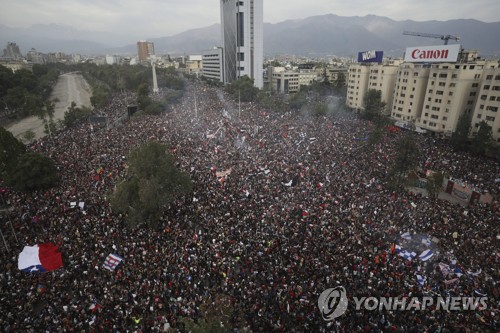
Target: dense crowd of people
[(284, 206)]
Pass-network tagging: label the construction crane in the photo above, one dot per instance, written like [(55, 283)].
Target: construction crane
[(446, 38)]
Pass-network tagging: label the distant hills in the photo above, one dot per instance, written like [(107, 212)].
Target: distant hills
[(313, 36)]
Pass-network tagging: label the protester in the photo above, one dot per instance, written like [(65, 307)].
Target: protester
[(284, 206)]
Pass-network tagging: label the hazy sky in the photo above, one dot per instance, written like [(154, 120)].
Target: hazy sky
[(156, 18)]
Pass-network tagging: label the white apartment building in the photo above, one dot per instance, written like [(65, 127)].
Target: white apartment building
[(364, 76), (242, 40), (383, 78), (357, 85), (409, 92), (488, 102), (451, 91)]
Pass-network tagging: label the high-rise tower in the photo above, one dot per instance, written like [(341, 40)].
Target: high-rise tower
[(242, 39), (145, 49)]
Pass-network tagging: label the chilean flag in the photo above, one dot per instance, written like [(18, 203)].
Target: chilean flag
[(40, 258)]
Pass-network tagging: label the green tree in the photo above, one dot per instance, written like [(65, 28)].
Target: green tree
[(143, 100), (244, 89), (461, 134), (75, 114), (339, 83), (33, 172), (11, 149), (373, 104), (376, 136), (298, 100), (326, 80), (483, 138), (434, 184), (154, 108), (152, 183), (100, 95), (28, 136), (406, 159), (320, 109)]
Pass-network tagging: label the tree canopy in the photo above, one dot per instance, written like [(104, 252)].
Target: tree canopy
[(406, 159), (33, 172), (244, 89), (482, 139), (373, 104), (153, 182), (10, 151), (461, 134), (24, 92), (76, 114)]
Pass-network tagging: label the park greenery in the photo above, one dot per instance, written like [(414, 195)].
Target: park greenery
[(243, 89), (460, 136), (75, 114), (405, 160), (22, 169), (374, 106), (24, 93), (153, 182), (434, 184)]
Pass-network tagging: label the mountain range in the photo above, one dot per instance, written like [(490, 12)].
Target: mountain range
[(313, 36)]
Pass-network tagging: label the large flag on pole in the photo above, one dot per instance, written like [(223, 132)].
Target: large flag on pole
[(40, 258), (112, 261)]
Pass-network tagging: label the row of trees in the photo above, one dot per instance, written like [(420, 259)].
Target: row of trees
[(479, 143), (24, 93)]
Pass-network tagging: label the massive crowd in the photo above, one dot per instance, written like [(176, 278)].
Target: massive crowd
[(284, 206)]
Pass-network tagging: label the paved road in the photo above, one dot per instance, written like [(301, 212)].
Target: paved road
[(70, 87)]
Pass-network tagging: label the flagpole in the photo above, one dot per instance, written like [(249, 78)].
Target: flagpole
[(195, 103), (4, 242), (12, 228)]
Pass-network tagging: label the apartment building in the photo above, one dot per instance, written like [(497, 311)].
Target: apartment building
[(488, 102), (357, 85), (409, 92), (451, 91), (383, 78)]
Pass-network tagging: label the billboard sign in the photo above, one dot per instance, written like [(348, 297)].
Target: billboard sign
[(370, 56), (435, 53)]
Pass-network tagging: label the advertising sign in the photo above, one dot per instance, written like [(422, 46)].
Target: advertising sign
[(370, 56), (435, 53)]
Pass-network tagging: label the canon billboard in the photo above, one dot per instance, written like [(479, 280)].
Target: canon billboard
[(370, 56), (437, 53)]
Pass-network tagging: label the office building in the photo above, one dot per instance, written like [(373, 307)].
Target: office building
[(145, 50), (212, 64), (12, 51), (287, 81), (242, 40), (35, 57)]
